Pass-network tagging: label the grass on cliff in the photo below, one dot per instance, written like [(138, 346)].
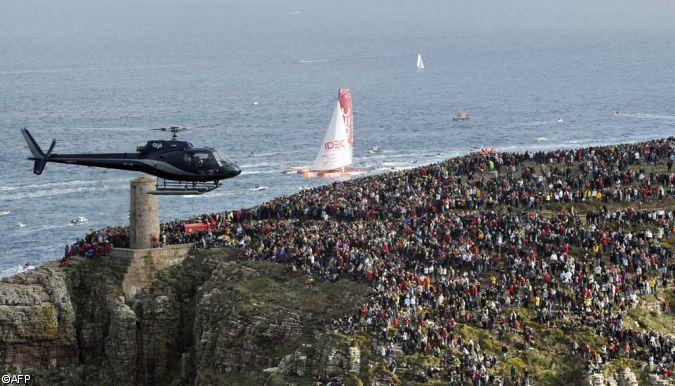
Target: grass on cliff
[(280, 312), (262, 282), (653, 320)]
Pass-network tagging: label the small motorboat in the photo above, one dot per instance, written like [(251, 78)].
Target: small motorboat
[(255, 103), (28, 266), (374, 150), (291, 169), (4, 212), (79, 220), (258, 188), (251, 154), (461, 116), (305, 187), (560, 120)]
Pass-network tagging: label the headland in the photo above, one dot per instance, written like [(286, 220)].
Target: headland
[(539, 268)]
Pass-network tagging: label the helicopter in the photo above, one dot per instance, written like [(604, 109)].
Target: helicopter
[(180, 168)]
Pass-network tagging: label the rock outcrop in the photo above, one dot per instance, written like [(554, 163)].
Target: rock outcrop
[(37, 321), (208, 320)]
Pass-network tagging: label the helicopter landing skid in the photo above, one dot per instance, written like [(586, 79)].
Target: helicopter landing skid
[(182, 188)]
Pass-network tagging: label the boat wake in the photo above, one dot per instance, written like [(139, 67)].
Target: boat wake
[(254, 172), (316, 60), (647, 116), (51, 192), (289, 13), (33, 187)]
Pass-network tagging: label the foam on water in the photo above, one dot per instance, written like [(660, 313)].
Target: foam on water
[(294, 13), (648, 116), (51, 193), (13, 270), (317, 60)]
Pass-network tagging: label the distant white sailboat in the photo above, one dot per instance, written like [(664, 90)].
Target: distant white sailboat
[(420, 63), (335, 155)]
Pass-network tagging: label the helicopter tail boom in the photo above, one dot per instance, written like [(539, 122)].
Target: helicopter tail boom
[(39, 156)]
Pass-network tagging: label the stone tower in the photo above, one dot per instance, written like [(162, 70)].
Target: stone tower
[(143, 214)]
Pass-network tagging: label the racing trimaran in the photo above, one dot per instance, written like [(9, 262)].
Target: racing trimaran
[(335, 154)]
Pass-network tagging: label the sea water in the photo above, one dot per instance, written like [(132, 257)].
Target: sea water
[(98, 75)]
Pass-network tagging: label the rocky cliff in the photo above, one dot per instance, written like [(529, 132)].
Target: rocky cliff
[(37, 321), (209, 320)]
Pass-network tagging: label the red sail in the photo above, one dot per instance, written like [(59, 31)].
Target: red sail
[(345, 99)]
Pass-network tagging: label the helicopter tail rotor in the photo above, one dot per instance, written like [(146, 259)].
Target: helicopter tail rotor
[(39, 156), (51, 147)]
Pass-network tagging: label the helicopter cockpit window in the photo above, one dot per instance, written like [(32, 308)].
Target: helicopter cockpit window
[(221, 158), (201, 158)]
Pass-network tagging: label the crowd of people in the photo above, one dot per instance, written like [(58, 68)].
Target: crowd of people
[(505, 242)]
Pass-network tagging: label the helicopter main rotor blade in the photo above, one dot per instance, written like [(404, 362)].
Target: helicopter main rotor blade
[(205, 126)]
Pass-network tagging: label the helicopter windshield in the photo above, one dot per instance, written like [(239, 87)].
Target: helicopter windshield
[(221, 158)]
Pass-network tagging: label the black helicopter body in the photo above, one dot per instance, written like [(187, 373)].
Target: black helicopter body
[(188, 168)]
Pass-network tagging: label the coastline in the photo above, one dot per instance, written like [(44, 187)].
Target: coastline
[(541, 268)]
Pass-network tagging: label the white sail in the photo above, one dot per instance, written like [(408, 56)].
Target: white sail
[(420, 64), (335, 151)]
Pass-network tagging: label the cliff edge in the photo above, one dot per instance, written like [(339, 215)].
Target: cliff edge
[(209, 320)]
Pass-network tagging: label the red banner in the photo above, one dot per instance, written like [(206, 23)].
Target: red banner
[(197, 227)]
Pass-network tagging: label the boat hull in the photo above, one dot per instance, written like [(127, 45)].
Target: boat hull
[(336, 173)]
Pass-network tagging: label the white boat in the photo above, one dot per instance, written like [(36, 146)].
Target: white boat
[(79, 220), (420, 63), (305, 187), (335, 154), (374, 150), (4, 212), (560, 120), (258, 188), (461, 116), (291, 169), (255, 103)]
